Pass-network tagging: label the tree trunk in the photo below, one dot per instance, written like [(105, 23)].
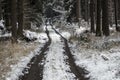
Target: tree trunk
[(116, 14), (92, 16), (105, 20), (79, 12), (98, 21), (6, 14), (27, 14), (0, 10), (20, 18), (14, 20), (86, 10), (118, 10)]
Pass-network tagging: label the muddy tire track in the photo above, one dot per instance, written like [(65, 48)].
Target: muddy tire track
[(76, 70), (34, 70)]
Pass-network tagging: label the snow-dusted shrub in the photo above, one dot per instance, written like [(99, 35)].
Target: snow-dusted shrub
[(2, 27)]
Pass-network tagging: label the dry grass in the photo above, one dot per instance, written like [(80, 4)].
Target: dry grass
[(73, 38), (93, 42), (11, 53)]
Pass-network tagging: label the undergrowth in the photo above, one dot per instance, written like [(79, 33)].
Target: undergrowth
[(10, 54)]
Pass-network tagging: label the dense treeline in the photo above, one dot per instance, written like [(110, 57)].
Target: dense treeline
[(101, 14), (19, 14)]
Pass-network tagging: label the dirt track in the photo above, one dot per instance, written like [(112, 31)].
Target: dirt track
[(36, 65), (79, 72)]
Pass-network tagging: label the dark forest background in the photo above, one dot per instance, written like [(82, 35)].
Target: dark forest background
[(99, 14)]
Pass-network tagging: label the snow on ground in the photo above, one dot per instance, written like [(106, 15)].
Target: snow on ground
[(2, 27), (6, 35), (16, 70), (66, 35), (63, 33), (1, 23), (60, 11), (80, 30), (102, 65), (48, 27), (55, 67), (41, 37), (75, 30)]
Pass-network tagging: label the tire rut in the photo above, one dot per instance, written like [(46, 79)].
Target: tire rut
[(78, 71), (34, 70)]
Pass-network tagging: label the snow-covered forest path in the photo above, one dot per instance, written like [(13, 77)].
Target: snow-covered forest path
[(55, 61)]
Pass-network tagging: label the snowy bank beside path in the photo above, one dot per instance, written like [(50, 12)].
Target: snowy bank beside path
[(80, 30), (16, 70), (6, 35), (103, 65), (40, 37)]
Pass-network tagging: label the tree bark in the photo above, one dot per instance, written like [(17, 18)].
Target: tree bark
[(98, 21), (20, 18), (27, 14), (92, 16), (105, 20), (118, 10), (6, 14), (14, 20), (116, 14), (0, 10), (78, 12), (86, 10)]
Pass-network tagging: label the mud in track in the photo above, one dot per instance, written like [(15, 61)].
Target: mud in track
[(78, 71), (35, 72)]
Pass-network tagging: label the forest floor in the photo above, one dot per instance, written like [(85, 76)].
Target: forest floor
[(63, 57), (52, 61), (10, 55)]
